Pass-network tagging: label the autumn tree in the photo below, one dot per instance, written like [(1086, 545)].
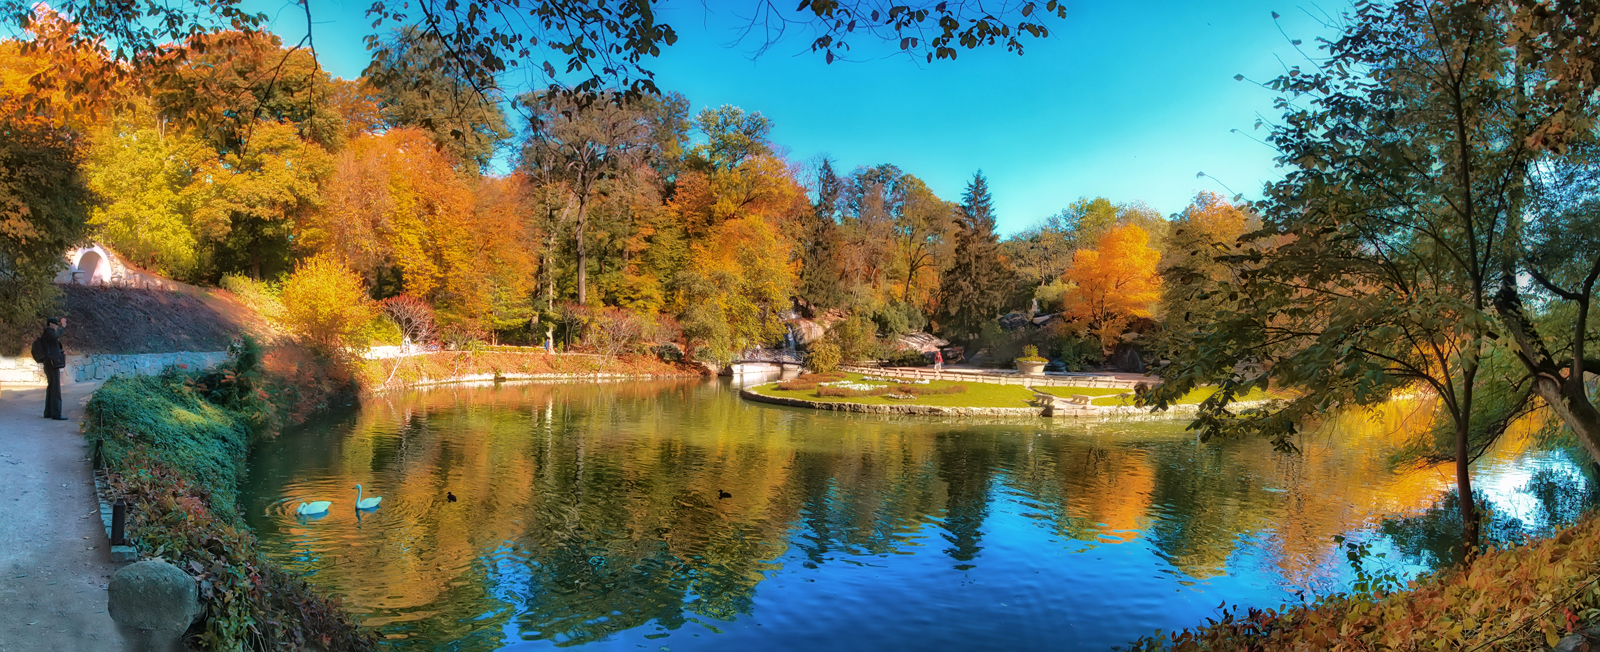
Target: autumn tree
[(44, 208), (325, 305), (1377, 265), (143, 170), (224, 86), (871, 200), (402, 215), (732, 135), (44, 198), (413, 316), (921, 230), (248, 201), (266, 113), (1114, 282), (1200, 238), (419, 87), (581, 144), (740, 272), (1042, 253), (975, 287), (604, 45)]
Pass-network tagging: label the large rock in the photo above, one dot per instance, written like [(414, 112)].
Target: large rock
[(153, 602), (920, 342), (808, 331)]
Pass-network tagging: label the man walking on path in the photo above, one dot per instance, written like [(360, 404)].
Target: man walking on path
[(54, 359)]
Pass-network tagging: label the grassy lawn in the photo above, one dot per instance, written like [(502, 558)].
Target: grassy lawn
[(1065, 392), (977, 395)]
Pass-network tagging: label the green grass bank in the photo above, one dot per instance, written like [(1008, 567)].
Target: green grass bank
[(173, 446), (974, 395)]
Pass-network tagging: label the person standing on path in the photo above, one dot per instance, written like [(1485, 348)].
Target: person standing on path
[(54, 359)]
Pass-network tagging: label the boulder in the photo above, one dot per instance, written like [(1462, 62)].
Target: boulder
[(153, 603)]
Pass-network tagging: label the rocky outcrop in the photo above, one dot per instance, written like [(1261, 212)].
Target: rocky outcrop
[(807, 331)]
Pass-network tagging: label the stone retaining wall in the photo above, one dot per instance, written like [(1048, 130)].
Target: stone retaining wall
[(100, 366)]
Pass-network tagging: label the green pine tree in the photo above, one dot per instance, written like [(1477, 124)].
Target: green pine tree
[(977, 283), (821, 280)]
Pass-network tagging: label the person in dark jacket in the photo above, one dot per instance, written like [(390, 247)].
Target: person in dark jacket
[(54, 359)]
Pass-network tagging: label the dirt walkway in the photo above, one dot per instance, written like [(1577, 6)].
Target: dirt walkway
[(54, 562)]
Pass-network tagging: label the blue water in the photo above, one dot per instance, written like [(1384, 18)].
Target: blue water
[(678, 517)]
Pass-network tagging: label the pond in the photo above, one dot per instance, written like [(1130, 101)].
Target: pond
[(675, 516)]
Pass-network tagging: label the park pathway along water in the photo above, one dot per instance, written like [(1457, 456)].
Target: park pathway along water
[(54, 561)]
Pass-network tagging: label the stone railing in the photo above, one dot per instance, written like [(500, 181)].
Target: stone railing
[(100, 366)]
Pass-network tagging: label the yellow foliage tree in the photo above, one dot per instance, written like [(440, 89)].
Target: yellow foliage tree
[(741, 266), (325, 305), (1114, 282)]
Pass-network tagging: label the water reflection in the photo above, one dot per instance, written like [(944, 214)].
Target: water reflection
[(639, 514)]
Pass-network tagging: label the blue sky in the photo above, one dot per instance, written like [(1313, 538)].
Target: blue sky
[(1126, 100)]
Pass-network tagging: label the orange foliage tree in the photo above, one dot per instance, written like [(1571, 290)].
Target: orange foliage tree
[(396, 208), (1115, 282)]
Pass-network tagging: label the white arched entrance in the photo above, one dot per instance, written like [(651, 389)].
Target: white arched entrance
[(91, 265)]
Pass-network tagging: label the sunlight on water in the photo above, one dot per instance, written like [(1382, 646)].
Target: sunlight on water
[(676, 516)]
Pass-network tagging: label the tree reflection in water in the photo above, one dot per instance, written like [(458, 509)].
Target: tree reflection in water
[(591, 512)]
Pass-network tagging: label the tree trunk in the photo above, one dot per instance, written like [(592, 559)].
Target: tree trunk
[(583, 252), (1571, 404), (1565, 395), (1469, 510)]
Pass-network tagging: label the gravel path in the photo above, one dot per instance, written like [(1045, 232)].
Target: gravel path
[(54, 561)]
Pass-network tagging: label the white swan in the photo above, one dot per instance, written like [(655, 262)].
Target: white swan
[(370, 503), (309, 509)]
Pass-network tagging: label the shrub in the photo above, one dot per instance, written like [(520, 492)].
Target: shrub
[(613, 332), (923, 390), (1030, 353), (906, 358), (1522, 598), (824, 357), (906, 390), (240, 385), (809, 381), (462, 336), (848, 392), (325, 305), (1079, 353)]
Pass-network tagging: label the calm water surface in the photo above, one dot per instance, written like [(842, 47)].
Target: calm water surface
[(676, 517)]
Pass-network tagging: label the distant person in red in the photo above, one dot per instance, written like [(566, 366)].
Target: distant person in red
[(48, 352), (938, 360)]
